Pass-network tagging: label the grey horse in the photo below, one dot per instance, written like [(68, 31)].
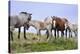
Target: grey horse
[(73, 28), (18, 21)]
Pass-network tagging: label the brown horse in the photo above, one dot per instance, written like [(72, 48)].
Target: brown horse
[(59, 24)]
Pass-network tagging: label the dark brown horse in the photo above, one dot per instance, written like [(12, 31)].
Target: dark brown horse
[(59, 24)]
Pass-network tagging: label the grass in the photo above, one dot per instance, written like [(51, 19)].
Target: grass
[(32, 44)]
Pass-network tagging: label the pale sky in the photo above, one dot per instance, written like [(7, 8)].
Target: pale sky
[(41, 10)]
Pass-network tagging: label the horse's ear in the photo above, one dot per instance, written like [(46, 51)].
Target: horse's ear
[(54, 16), (51, 16)]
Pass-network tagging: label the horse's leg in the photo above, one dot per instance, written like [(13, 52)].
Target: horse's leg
[(49, 31), (38, 32), (11, 35), (76, 33), (66, 33), (55, 33), (62, 33), (58, 33), (69, 33), (11, 32), (47, 34), (25, 33), (19, 32), (39, 35)]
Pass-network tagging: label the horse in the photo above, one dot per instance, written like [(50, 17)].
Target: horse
[(66, 25), (39, 25), (72, 28), (48, 20), (17, 21), (59, 24)]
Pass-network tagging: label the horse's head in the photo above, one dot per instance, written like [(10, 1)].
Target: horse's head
[(29, 16), (26, 15), (26, 18), (53, 21), (48, 20)]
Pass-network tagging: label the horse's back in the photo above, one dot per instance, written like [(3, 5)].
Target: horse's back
[(42, 25), (60, 22)]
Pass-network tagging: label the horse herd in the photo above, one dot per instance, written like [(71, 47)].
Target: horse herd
[(50, 23)]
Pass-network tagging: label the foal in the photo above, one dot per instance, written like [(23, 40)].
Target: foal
[(39, 25)]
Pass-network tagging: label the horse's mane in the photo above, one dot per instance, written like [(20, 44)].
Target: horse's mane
[(56, 17), (23, 12), (65, 20), (47, 18)]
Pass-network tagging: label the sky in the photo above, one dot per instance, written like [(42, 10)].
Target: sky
[(41, 10)]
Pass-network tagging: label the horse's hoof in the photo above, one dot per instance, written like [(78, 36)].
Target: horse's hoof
[(25, 38)]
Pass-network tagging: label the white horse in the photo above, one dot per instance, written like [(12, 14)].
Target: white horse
[(72, 28), (18, 21)]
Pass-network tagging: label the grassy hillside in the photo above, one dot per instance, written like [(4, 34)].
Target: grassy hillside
[(32, 44)]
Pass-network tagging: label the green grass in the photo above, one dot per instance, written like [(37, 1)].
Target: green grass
[(32, 44)]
